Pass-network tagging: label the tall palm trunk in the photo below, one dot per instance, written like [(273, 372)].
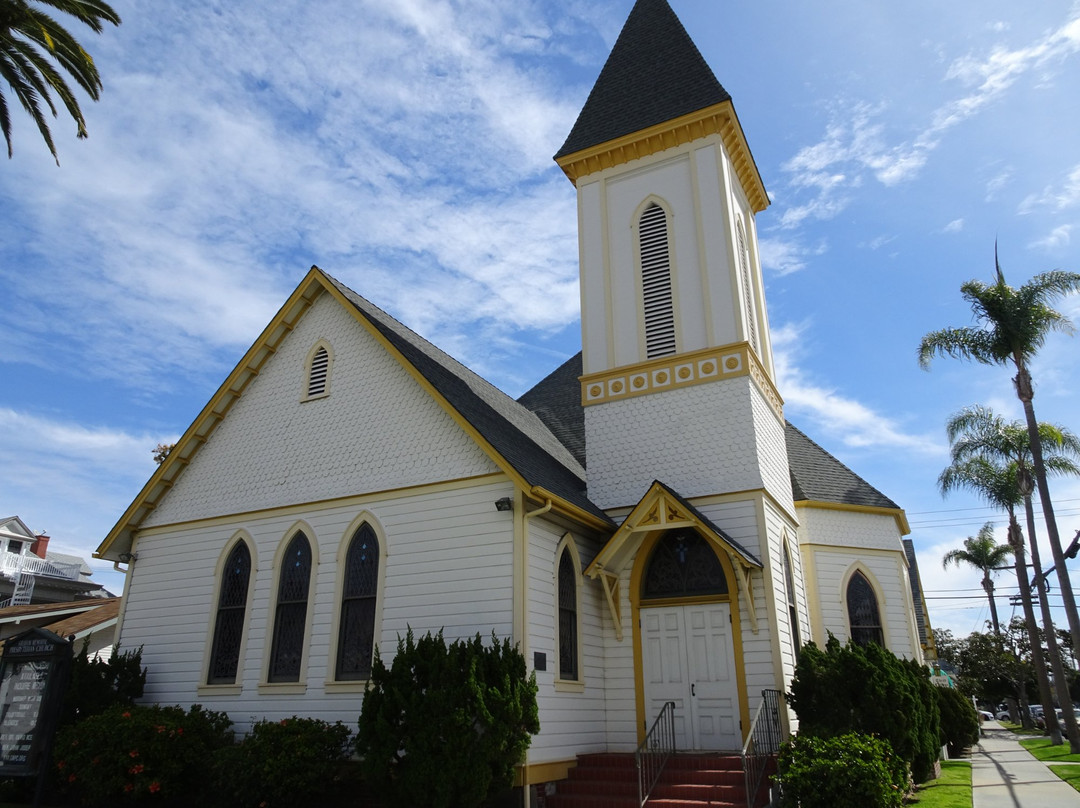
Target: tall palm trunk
[(1016, 539), (988, 587), (1061, 684), (1025, 393)]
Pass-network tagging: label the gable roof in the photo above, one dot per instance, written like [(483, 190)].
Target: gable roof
[(517, 439), (654, 74), (816, 476)]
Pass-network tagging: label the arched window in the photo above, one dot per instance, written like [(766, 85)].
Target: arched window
[(793, 609), (656, 282), (683, 564), (863, 614), (317, 371), (568, 617), (356, 629), (290, 616), (229, 623), (748, 291)]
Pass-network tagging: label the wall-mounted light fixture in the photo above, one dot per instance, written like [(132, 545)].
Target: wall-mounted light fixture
[(127, 558), (504, 504)]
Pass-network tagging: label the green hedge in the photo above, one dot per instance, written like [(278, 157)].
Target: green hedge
[(959, 721), (845, 771), (295, 761), (445, 725), (867, 689)]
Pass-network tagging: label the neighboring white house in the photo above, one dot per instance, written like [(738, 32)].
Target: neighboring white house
[(349, 480), (31, 573)]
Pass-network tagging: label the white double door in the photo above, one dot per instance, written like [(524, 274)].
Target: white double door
[(689, 659)]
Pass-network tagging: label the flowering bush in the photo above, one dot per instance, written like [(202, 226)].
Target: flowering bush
[(295, 761), (141, 755)]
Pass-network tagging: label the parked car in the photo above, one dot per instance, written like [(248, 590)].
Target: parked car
[(1005, 716), (986, 715)]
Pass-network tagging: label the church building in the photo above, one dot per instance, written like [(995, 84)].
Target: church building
[(644, 523)]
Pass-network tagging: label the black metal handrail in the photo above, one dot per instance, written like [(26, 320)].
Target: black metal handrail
[(654, 751), (762, 743)]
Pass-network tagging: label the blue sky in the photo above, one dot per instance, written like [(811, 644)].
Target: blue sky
[(405, 147)]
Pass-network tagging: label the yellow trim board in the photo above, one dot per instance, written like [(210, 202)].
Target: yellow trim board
[(896, 513), (636, 605), (681, 370), (718, 119), (656, 513)]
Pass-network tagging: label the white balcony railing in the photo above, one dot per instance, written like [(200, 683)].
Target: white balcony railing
[(10, 564)]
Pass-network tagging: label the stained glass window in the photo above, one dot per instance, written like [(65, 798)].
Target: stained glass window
[(229, 624), (290, 617), (684, 564), (863, 612), (568, 618), (793, 610), (356, 634)]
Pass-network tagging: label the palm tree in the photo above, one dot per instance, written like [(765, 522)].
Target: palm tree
[(1012, 325), (980, 432), (995, 482), (984, 554), (31, 42)]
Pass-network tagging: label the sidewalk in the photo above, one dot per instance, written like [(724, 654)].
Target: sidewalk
[(1005, 775)]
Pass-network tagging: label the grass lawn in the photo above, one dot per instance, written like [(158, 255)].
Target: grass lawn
[(1019, 729), (951, 790), (1041, 748), (1070, 774)]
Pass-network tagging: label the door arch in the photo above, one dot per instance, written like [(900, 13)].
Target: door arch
[(687, 643)]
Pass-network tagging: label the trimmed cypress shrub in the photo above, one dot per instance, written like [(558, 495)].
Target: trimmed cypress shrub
[(445, 725), (959, 721), (867, 689)]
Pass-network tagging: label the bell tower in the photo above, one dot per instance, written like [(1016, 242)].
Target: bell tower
[(678, 379)]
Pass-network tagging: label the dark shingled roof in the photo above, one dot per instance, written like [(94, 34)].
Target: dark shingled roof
[(557, 402), (916, 591), (516, 434), (655, 73), (815, 474)]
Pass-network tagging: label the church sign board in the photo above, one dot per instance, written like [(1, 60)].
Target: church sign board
[(34, 671)]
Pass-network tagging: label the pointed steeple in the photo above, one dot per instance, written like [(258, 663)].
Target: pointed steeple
[(654, 74)]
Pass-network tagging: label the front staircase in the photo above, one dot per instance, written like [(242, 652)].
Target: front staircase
[(609, 780)]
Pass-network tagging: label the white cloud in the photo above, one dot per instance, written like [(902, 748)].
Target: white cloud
[(1055, 200), (846, 420), (784, 256), (1058, 237), (955, 226), (854, 144)]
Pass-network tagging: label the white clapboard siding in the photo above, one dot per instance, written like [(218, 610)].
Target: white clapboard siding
[(889, 573), (447, 560), (376, 430), (571, 723)]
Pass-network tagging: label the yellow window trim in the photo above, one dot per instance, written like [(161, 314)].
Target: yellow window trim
[(637, 604)]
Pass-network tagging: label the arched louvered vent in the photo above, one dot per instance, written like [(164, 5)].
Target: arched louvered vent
[(656, 283), (748, 297), (320, 366)]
